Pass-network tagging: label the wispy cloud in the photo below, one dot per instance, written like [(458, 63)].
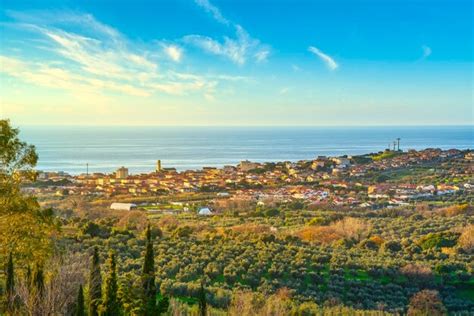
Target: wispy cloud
[(239, 49), (97, 58), (174, 52), (213, 10), (328, 60), (284, 90), (426, 51), (262, 55)]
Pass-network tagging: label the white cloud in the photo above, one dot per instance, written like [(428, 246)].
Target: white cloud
[(46, 75), (237, 50), (174, 52), (284, 90), (426, 51), (328, 60), (213, 10), (262, 56), (96, 58)]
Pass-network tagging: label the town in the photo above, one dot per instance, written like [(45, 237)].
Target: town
[(385, 179)]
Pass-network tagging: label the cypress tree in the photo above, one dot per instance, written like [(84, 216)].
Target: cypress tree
[(38, 281), (28, 275), (110, 306), (95, 284), (202, 301), (80, 302), (37, 291), (163, 305), (149, 287), (10, 283)]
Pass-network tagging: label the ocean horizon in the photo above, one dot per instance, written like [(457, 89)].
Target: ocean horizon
[(106, 148)]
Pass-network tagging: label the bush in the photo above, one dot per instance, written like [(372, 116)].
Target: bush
[(426, 302), (391, 246), (438, 240)]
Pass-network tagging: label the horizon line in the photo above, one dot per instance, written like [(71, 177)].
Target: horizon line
[(245, 125)]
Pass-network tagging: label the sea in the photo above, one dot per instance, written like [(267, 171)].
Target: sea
[(104, 149)]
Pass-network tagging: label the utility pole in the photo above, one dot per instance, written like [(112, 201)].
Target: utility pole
[(394, 144), (398, 143)]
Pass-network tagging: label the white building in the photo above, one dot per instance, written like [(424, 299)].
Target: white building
[(206, 211), (123, 206)]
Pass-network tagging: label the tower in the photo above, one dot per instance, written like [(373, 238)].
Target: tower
[(398, 143), (158, 166), (121, 173)]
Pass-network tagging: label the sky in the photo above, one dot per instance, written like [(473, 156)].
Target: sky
[(246, 62)]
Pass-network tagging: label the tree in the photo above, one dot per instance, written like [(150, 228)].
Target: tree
[(10, 283), (17, 159), (466, 240), (110, 305), (37, 290), (163, 305), (426, 302), (38, 281), (24, 227), (202, 301), (55, 295), (391, 246), (352, 228), (95, 284), (149, 286), (80, 302), (417, 274), (28, 276)]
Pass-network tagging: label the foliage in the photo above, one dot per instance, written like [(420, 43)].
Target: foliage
[(110, 303), (25, 229), (438, 240), (466, 240), (202, 301), (149, 286), (163, 305), (95, 284), (80, 310), (426, 302), (10, 284)]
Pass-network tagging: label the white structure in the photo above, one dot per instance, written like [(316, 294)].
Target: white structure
[(206, 211), (123, 206)]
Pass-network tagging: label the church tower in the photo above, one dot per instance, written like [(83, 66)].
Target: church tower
[(158, 166)]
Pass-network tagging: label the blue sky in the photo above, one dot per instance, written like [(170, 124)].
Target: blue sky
[(237, 62)]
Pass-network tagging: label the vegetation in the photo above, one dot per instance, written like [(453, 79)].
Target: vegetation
[(95, 284), (284, 259)]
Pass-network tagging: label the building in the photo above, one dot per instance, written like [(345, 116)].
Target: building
[(342, 161), (206, 211), (121, 173), (169, 169), (247, 165), (123, 206), (158, 166)]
